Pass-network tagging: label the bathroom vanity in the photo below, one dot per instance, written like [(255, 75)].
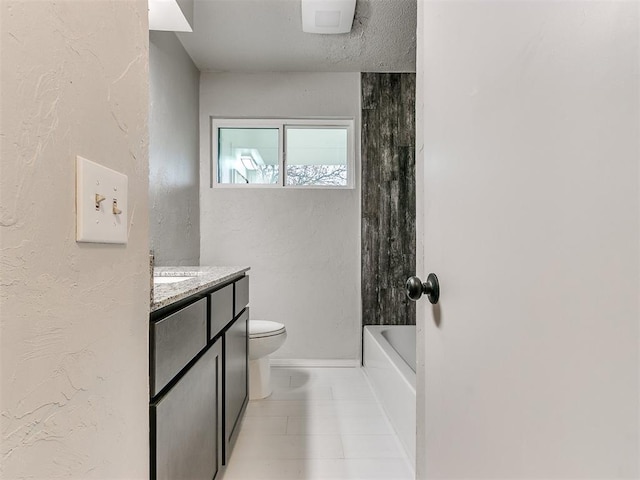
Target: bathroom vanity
[(198, 383)]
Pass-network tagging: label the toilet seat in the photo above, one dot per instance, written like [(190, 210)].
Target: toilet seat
[(265, 328)]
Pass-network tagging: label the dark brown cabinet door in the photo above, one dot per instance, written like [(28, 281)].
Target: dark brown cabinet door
[(187, 436), (235, 381)]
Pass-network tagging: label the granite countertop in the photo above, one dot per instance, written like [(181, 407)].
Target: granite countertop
[(203, 278)]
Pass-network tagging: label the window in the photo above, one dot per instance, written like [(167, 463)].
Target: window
[(282, 153), (248, 155), (316, 156)]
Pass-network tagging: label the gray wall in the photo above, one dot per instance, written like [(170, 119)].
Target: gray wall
[(303, 245), (173, 152), (388, 197), (74, 336)]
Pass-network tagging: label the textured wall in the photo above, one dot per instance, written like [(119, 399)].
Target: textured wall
[(74, 317), (388, 197), (174, 215), (302, 244), (382, 38)]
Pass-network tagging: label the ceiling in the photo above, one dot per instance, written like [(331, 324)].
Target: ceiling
[(266, 36)]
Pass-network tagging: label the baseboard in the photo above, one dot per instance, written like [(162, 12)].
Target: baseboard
[(315, 362)]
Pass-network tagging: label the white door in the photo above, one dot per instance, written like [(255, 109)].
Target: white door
[(528, 198)]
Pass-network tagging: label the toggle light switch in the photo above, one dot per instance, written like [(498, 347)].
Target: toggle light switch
[(99, 198), (116, 210), (95, 221)]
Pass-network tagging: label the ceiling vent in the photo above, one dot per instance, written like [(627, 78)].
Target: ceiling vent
[(327, 16)]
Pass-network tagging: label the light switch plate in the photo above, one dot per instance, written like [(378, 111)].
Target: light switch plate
[(101, 203)]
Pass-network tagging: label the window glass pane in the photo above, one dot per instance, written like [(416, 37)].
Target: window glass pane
[(316, 156), (248, 155)]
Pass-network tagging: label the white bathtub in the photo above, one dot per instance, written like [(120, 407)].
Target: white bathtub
[(388, 352)]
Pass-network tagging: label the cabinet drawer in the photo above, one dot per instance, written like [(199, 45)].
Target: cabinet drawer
[(242, 294), (221, 309), (176, 339)]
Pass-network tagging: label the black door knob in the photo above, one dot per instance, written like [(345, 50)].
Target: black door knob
[(431, 288)]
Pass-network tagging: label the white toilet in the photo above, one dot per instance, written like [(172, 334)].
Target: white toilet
[(265, 337)]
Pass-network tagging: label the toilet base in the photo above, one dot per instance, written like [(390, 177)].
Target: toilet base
[(259, 378)]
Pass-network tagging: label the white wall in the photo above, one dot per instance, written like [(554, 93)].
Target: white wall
[(529, 366), (174, 84), (303, 245), (74, 317)]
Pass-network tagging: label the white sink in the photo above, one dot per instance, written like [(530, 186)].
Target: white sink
[(170, 279)]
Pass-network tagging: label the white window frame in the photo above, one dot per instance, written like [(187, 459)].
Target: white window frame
[(281, 124)]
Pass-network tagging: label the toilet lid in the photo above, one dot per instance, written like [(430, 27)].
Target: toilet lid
[(264, 328)]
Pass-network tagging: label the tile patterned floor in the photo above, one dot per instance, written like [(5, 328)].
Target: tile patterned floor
[(319, 424)]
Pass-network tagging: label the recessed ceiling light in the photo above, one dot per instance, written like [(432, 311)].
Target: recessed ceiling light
[(171, 15)]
